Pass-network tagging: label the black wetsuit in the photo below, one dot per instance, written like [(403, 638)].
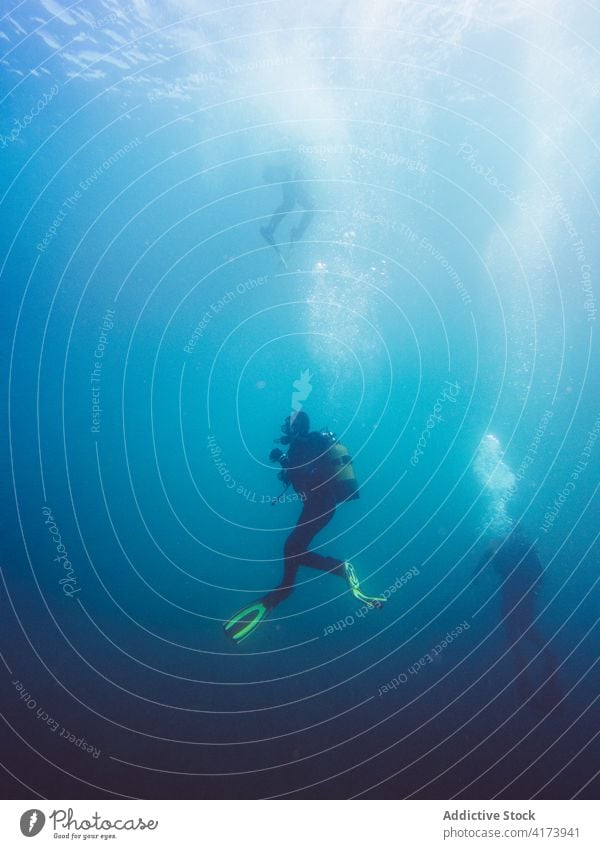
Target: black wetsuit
[(307, 473)]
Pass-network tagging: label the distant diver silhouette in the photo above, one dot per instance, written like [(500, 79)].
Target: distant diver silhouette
[(295, 195), (516, 562)]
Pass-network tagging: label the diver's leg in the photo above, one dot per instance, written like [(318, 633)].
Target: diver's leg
[(311, 520), (286, 205), (527, 642), (526, 614), (541, 689), (317, 512), (246, 620), (284, 589), (296, 233), (550, 694), (320, 511), (315, 515), (306, 202), (523, 679)]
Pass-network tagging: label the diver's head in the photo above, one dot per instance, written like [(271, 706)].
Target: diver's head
[(299, 424)]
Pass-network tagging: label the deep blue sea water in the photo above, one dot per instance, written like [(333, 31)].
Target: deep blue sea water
[(438, 314)]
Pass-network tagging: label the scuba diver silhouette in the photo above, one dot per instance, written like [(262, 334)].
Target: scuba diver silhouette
[(295, 194), (320, 470), (517, 564)]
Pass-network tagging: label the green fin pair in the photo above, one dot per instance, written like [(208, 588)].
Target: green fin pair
[(370, 601), (246, 621)]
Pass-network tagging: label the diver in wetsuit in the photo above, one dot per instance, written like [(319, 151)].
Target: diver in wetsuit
[(517, 564), (308, 466)]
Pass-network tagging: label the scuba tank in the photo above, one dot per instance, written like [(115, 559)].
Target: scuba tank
[(341, 477), (330, 468)]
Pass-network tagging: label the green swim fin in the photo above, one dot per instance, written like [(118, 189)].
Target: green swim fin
[(354, 584), (245, 621)]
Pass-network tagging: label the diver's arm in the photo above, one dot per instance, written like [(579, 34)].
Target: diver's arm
[(277, 456)]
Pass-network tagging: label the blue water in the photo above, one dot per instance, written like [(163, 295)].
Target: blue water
[(438, 314)]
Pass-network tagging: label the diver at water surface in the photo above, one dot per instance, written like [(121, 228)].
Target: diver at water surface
[(320, 470), (518, 566)]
